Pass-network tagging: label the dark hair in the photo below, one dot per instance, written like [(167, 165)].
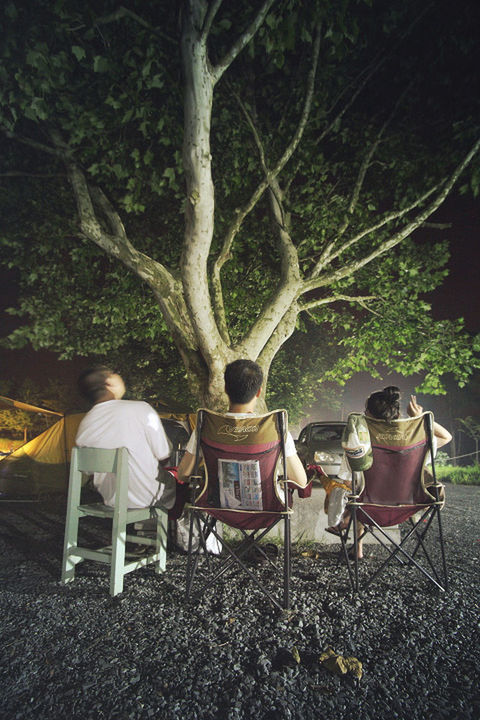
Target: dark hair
[(243, 379), (384, 404), (92, 382)]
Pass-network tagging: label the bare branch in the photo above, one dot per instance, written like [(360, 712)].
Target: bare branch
[(116, 245), (242, 41), (281, 334), (437, 226), (124, 12), (210, 17), (19, 173), (243, 212), (366, 164), (219, 308), (57, 152), (328, 255), (360, 299), (403, 233), (112, 216), (277, 306)]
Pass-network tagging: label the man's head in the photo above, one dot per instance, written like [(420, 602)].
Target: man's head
[(243, 381), (101, 383)]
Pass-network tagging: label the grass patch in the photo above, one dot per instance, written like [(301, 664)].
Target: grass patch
[(468, 475)]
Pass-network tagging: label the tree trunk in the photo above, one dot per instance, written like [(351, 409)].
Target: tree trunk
[(200, 205)]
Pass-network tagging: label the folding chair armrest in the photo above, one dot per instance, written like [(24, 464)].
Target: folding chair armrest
[(352, 498)]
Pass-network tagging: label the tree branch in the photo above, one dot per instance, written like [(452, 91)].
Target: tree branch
[(360, 299), (19, 173), (364, 168), (369, 71), (124, 12), (281, 334), (242, 41), (57, 152), (387, 245), (329, 255), (116, 225), (166, 288), (210, 17), (275, 309), (243, 212), (117, 245), (437, 226)]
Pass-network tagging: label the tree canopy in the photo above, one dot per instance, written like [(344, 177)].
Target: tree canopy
[(201, 181)]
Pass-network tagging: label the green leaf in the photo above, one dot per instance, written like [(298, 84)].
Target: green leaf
[(79, 52), (100, 64)]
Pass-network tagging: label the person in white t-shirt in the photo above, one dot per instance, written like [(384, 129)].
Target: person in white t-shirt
[(113, 423), (243, 385)]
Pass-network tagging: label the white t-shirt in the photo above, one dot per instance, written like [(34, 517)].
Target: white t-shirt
[(136, 426), (290, 448)]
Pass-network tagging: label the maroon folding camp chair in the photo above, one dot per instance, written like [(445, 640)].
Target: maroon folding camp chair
[(243, 487), (396, 488)]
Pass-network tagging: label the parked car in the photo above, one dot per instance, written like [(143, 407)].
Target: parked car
[(320, 443)]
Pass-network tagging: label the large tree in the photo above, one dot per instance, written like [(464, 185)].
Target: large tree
[(316, 139)]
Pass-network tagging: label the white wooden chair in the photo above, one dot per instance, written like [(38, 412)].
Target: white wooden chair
[(89, 460)]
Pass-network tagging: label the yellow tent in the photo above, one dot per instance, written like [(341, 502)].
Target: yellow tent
[(41, 465), (8, 404)]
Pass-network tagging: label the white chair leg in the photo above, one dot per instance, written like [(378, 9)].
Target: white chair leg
[(161, 544), (119, 535)]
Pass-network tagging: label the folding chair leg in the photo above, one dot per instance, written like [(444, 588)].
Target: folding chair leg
[(355, 548), (192, 561), (286, 563), (442, 549)]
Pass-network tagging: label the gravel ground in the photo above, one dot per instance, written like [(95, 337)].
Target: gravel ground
[(72, 651)]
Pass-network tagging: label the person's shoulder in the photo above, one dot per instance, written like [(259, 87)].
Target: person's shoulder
[(133, 405)]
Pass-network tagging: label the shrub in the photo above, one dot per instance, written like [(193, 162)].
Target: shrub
[(469, 475), (441, 458)]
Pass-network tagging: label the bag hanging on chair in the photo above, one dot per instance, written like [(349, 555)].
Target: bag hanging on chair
[(356, 443)]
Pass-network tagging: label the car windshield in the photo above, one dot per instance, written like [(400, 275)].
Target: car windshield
[(326, 432)]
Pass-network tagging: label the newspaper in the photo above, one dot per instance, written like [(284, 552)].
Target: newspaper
[(240, 484)]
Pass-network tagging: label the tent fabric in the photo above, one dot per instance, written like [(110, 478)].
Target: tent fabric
[(8, 403), (54, 445), (41, 465)]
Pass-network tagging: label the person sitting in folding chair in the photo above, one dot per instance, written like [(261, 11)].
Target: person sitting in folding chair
[(243, 386), (391, 486), (237, 449), (112, 423), (382, 405)]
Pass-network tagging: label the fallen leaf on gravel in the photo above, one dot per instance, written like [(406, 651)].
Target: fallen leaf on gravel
[(339, 665)]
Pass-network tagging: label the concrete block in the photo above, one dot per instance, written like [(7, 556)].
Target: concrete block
[(309, 521)]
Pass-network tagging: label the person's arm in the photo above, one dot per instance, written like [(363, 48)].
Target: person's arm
[(295, 471), (187, 463), (441, 433), (185, 468)]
